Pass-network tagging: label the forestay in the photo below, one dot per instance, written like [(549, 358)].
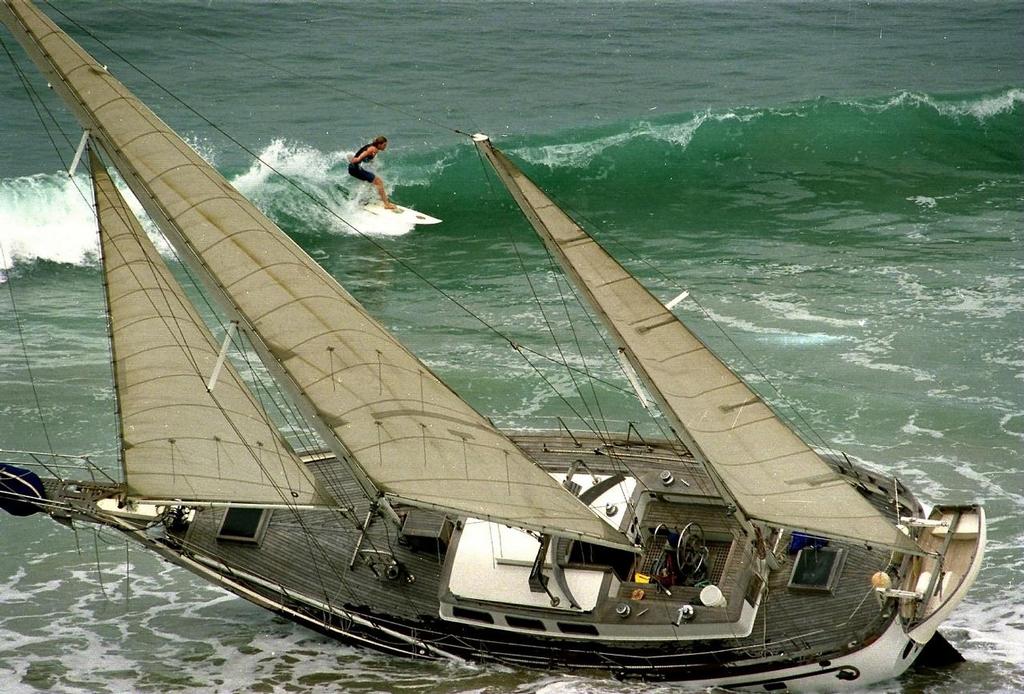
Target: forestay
[(407, 435), (180, 441), (766, 469)]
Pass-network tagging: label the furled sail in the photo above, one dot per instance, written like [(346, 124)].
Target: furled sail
[(771, 474), (405, 433), (179, 440)]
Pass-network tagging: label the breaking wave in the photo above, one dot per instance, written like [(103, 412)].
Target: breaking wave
[(48, 216)]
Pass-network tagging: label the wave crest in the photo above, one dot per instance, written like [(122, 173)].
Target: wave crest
[(752, 127), (981, 107)]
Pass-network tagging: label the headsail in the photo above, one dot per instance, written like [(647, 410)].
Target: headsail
[(180, 441), (404, 432), (767, 469)]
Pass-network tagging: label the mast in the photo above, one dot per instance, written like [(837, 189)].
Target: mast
[(758, 463), (404, 434)]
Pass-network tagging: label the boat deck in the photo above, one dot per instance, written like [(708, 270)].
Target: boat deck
[(315, 553)]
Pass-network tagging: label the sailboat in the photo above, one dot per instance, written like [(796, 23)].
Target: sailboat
[(728, 553)]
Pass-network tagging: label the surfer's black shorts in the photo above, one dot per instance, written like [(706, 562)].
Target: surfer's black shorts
[(360, 173)]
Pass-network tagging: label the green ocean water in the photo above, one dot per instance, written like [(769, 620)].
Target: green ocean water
[(840, 186)]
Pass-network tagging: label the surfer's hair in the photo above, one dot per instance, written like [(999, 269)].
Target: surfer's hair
[(380, 140)]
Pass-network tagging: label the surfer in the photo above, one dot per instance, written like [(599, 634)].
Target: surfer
[(367, 153)]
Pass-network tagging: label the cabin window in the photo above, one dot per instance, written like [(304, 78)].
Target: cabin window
[(524, 623), (244, 525), (582, 629), (475, 615), (817, 568)]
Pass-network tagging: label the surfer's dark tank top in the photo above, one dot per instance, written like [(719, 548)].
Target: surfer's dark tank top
[(361, 150)]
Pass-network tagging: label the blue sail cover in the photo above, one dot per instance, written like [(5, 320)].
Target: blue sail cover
[(17, 488)]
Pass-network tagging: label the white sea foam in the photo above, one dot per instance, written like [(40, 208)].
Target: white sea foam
[(9, 590), (993, 105), (997, 297), (867, 356), (293, 160), (980, 108), (424, 175), (47, 217), (572, 155), (775, 270), (908, 283), (1012, 424), (803, 339), (51, 217), (911, 428), (773, 334), (995, 629), (202, 146), (793, 310), (681, 134), (743, 325)]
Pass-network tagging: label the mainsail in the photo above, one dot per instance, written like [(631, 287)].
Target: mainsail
[(770, 473), (405, 434), (179, 440)]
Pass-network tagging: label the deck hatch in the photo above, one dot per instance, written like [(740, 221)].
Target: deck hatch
[(244, 524), (817, 568)]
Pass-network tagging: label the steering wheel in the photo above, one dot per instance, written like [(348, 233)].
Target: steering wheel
[(691, 551)]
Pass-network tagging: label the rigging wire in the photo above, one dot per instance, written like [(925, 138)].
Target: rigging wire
[(24, 348), (334, 488), (807, 426), (658, 422), (603, 335), (175, 328), (618, 464), (10, 278), (593, 426), (362, 96), (99, 570), (337, 514), (38, 103), (557, 275)]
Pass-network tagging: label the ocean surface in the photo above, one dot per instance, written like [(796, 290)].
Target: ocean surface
[(839, 185)]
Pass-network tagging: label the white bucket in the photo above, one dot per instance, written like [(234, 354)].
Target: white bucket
[(711, 596)]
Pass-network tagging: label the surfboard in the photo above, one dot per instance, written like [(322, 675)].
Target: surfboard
[(405, 214)]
